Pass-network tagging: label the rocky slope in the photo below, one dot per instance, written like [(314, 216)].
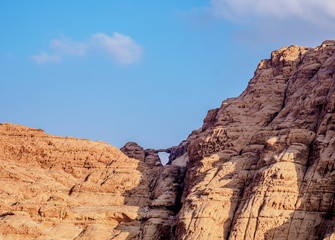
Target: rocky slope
[(66, 188), (260, 167)]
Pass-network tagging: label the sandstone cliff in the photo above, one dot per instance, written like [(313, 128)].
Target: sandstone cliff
[(260, 167), (66, 188)]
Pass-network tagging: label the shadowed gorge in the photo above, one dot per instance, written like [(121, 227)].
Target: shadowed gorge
[(260, 167)]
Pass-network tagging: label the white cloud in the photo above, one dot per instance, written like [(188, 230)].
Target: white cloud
[(123, 49), (309, 10), (67, 46), (279, 22), (43, 57)]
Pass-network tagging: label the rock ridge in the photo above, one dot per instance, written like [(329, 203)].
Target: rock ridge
[(66, 188), (262, 166)]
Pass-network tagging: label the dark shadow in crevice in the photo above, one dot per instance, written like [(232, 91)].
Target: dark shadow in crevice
[(157, 212)]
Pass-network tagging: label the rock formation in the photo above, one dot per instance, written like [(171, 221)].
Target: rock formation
[(66, 188), (260, 167)]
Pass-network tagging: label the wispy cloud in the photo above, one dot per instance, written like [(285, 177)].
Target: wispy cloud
[(310, 10), (67, 46), (123, 49), (43, 57), (305, 22)]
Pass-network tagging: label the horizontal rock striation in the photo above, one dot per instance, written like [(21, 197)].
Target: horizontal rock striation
[(260, 167), (66, 188)]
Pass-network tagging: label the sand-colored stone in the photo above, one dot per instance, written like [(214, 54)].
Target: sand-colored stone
[(262, 166), (66, 188)]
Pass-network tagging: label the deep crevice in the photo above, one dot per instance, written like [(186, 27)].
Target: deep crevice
[(235, 210)]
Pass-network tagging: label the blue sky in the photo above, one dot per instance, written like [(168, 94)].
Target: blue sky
[(144, 71)]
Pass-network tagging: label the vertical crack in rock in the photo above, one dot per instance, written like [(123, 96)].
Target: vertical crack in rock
[(235, 210)]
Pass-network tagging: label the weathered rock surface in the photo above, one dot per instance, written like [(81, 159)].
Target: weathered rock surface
[(66, 188), (262, 166)]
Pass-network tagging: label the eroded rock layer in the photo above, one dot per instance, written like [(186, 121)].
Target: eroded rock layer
[(262, 165), (66, 188)]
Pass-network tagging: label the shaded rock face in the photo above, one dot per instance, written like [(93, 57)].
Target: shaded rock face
[(149, 156), (260, 167)]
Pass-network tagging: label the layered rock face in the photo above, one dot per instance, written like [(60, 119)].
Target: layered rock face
[(260, 167), (66, 188)]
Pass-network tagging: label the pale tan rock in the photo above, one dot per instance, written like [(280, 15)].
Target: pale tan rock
[(66, 188), (262, 165)]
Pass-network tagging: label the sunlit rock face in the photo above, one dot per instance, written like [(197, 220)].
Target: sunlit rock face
[(66, 188), (260, 167)]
